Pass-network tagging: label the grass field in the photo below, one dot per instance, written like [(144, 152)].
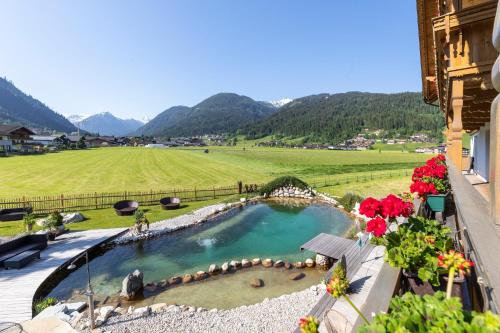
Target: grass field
[(107, 218), (133, 169)]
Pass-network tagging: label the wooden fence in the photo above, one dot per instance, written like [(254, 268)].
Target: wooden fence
[(62, 203), (89, 201)]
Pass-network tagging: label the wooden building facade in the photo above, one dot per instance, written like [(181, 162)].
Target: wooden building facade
[(459, 48)]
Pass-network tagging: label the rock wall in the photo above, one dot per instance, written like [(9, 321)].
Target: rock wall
[(292, 192)]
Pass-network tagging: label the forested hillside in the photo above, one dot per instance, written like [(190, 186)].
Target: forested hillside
[(336, 117), (18, 108), (221, 113)]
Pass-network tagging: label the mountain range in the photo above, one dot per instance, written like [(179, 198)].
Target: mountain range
[(337, 117), (105, 124), (17, 107), (315, 118), (221, 113)]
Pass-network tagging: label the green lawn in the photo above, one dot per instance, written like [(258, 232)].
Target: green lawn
[(133, 169), (377, 188), (106, 218)]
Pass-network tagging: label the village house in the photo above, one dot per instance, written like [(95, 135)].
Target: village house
[(14, 138)]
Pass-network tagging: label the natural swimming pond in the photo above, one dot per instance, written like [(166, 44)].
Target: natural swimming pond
[(264, 229)]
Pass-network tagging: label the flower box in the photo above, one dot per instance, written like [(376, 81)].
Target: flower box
[(436, 202)]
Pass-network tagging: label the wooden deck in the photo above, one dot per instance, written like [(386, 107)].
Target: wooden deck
[(17, 287), (354, 259), (329, 245)]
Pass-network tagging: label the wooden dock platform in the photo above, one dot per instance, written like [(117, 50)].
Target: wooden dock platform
[(18, 286)]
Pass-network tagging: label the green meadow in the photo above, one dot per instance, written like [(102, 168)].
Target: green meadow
[(135, 169)]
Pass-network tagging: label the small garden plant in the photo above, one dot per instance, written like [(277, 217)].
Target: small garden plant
[(45, 303), (412, 313), (349, 200), (28, 222), (308, 324)]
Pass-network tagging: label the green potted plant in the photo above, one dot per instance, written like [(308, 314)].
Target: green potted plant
[(414, 248), (28, 222), (54, 225), (140, 221), (413, 313), (430, 182)]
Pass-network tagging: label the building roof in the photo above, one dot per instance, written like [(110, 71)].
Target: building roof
[(14, 129), (426, 10)]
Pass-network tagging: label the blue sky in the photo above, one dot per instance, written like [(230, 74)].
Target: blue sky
[(137, 58)]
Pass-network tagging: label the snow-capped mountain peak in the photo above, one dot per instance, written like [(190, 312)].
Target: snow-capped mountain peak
[(76, 118), (280, 102)]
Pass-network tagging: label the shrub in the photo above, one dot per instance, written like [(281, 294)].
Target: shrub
[(282, 182), (54, 220), (349, 200), (412, 313), (45, 303), (28, 222)]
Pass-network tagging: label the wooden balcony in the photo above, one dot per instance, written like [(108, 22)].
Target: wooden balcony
[(478, 235)]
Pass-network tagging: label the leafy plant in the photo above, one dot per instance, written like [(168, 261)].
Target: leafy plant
[(349, 200), (28, 222), (140, 219), (45, 303), (283, 182), (54, 220), (412, 313)]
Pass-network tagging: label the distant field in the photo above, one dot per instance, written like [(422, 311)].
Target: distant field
[(119, 169)]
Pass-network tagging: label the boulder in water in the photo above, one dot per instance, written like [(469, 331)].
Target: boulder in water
[(132, 285)]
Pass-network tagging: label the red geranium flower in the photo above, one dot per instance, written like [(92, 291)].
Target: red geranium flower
[(392, 206), (407, 208), (370, 207), (376, 226)]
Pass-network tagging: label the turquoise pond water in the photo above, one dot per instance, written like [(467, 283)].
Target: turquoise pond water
[(262, 230)]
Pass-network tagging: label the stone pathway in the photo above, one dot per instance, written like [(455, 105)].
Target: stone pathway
[(18, 286)]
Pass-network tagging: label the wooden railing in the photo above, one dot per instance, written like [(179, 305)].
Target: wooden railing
[(88, 201)]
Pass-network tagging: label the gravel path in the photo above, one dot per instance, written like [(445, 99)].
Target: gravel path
[(169, 225), (279, 314)]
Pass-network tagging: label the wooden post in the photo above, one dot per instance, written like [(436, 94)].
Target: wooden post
[(195, 194), (95, 199), (62, 202), (240, 186), (213, 187), (456, 128)]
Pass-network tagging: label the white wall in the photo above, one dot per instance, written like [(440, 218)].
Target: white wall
[(480, 150)]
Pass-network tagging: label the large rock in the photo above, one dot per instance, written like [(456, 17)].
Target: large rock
[(296, 276), (256, 283), (225, 268), (132, 285), (322, 261), (267, 262), (187, 278), (310, 263), (235, 264), (175, 280), (299, 264), (279, 263), (245, 263), (213, 269), (256, 261), (288, 265), (53, 311), (73, 217), (200, 275), (158, 307)]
